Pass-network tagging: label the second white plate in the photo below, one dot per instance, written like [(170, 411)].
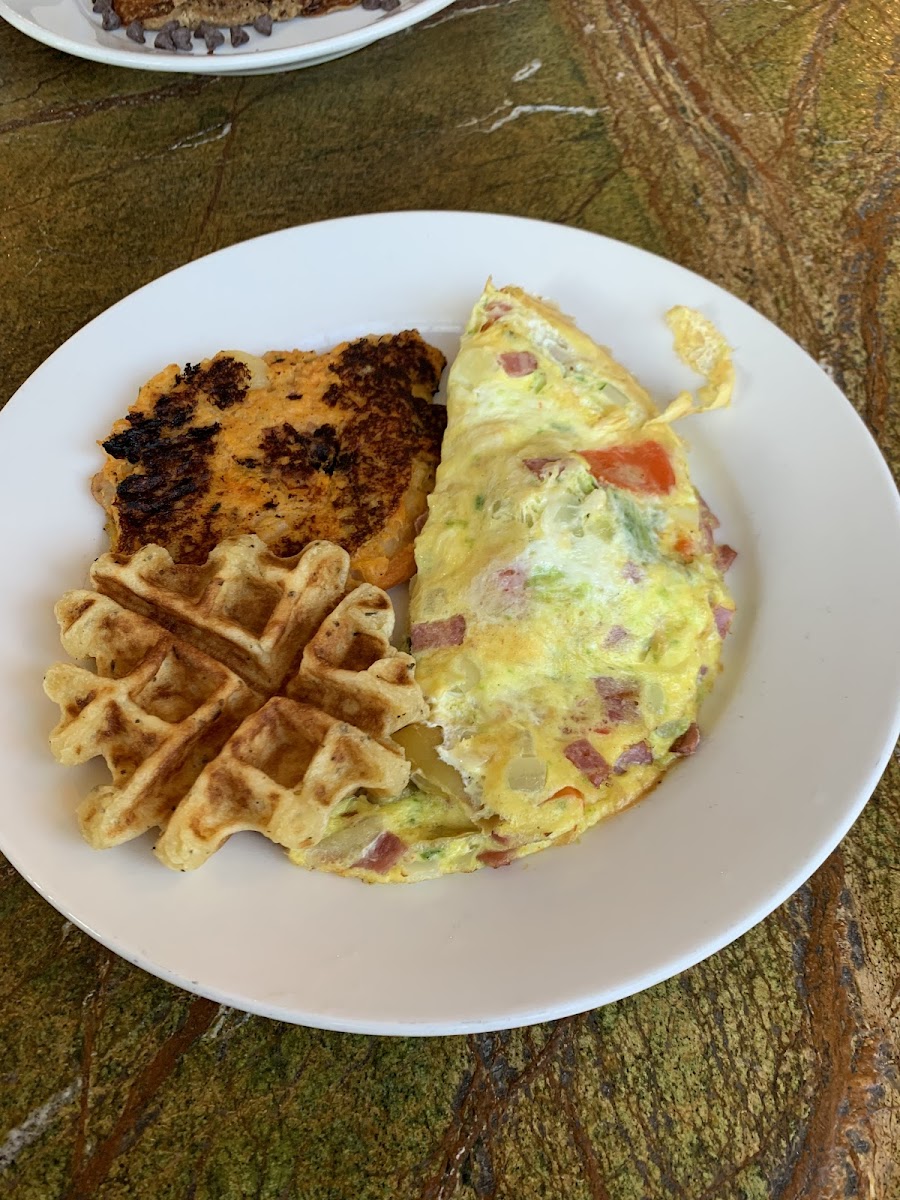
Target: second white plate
[(798, 728), (71, 26)]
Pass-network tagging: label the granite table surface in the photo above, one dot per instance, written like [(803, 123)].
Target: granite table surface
[(755, 141)]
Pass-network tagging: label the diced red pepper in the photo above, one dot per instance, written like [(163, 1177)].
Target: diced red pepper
[(643, 467)]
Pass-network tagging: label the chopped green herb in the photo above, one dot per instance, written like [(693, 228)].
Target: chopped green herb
[(671, 730), (544, 575), (636, 525)]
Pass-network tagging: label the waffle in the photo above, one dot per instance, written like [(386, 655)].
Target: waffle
[(249, 609), (352, 671), (248, 692)]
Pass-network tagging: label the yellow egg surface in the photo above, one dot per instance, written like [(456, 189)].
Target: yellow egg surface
[(569, 607)]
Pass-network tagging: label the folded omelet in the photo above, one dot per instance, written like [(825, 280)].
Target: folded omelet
[(569, 609)]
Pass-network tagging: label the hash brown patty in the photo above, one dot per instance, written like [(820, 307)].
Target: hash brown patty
[(294, 447)]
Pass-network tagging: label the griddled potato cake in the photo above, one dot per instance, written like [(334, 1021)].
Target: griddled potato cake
[(294, 447)]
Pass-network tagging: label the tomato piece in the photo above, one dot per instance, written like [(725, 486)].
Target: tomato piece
[(564, 792), (642, 467)]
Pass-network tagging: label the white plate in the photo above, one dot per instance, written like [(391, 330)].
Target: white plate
[(70, 25), (798, 729)]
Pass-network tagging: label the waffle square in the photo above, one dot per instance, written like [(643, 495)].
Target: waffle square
[(350, 668), (246, 607)]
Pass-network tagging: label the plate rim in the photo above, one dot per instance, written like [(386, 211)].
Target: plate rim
[(667, 969), (245, 63)]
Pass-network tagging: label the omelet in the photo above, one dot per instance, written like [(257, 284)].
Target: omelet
[(569, 607)]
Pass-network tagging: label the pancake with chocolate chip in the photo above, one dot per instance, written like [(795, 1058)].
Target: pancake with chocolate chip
[(154, 14), (294, 447)]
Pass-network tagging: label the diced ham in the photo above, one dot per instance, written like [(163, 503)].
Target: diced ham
[(538, 466), (493, 311), (384, 853), (607, 686), (707, 516), (688, 742), (617, 634), (496, 858), (429, 634), (511, 580), (620, 710), (723, 617), (725, 556), (518, 363), (708, 523), (590, 762), (621, 699), (632, 572), (638, 755)]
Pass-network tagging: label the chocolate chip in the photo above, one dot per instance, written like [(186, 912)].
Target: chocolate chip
[(102, 5), (163, 40), (213, 38), (389, 5), (170, 27), (238, 35), (200, 31), (135, 31), (263, 25), (371, 5), (111, 20), (182, 38)]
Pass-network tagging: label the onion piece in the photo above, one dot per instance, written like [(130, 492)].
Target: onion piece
[(526, 774)]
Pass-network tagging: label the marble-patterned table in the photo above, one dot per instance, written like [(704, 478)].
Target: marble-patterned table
[(755, 141)]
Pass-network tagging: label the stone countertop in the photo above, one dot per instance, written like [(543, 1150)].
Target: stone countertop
[(757, 142)]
